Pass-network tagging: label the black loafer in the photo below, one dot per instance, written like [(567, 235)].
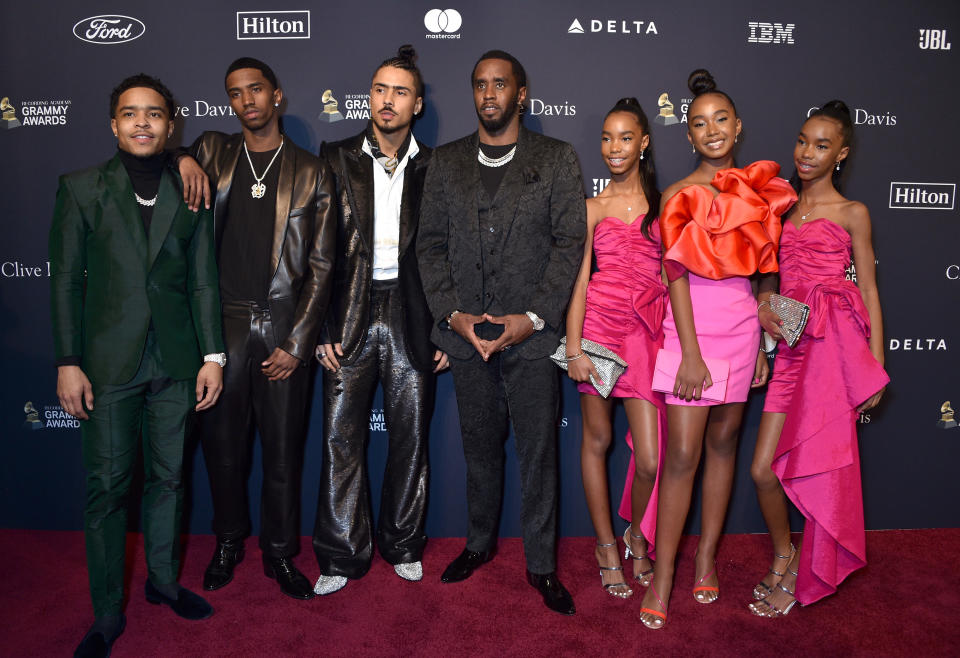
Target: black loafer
[(292, 583), (187, 604), (97, 644), (463, 566), (555, 595), (227, 555)]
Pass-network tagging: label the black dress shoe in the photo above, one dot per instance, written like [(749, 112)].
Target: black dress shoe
[(291, 581), (227, 555), (187, 604), (97, 643), (462, 567), (555, 595)]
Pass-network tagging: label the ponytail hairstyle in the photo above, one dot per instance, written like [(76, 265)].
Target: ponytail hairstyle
[(406, 59), (839, 112), (648, 169), (701, 82)]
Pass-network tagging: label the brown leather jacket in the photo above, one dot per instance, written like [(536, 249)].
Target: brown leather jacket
[(304, 235), (349, 316)]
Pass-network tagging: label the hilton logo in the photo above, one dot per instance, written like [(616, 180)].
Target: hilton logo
[(770, 32), (922, 196), (273, 25), (933, 40)]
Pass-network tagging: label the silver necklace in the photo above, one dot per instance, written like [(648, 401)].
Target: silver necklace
[(803, 218), (486, 161), (146, 202), (258, 189)]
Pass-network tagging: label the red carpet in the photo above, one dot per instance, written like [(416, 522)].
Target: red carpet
[(904, 603)]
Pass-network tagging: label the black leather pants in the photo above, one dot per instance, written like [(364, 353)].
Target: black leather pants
[(278, 410), (343, 534), (491, 394)]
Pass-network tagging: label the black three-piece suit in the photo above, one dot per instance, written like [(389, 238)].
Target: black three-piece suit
[(384, 328), (516, 252)]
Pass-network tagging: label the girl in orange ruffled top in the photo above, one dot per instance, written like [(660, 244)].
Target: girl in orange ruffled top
[(720, 226), (807, 442), (621, 307)]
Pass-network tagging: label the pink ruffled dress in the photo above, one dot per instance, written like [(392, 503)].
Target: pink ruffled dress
[(819, 384)]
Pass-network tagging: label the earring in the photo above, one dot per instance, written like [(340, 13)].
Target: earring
[(641, 153), (838, 165), (693, 149), (736, 138), (276, 104)]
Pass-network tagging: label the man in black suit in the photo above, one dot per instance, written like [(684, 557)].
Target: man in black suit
[(377, 330), (275, 231), (502, 225)]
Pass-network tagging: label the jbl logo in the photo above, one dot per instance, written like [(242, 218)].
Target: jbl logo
[(934, 40)]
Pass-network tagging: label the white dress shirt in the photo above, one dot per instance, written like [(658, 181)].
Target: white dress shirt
[(387, 195)]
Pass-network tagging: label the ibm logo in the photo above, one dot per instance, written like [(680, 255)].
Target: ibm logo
[(933, 40), (273, 25), (770, 32), (922, 196)]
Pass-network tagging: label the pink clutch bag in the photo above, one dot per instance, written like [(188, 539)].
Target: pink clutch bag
[(665, 375)]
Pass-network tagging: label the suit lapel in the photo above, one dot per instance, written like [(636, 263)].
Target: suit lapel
[(514, 182), (358, 170), (412, 182), (168, 202), (285, 181), (121, 192), (227, 167)]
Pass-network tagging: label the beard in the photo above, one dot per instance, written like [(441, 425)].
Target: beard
[(494, 126), (392, 127)]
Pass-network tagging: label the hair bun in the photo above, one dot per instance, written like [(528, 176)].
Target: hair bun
[(407, 52), (701, 82), (837, 106), (628, 100)]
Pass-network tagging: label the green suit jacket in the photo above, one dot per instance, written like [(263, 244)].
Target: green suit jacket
[(109, 278)]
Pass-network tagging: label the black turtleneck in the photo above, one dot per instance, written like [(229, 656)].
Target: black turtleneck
[(145, 175)]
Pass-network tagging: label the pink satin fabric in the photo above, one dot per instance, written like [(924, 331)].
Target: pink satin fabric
[(819, 384), (626, 301)]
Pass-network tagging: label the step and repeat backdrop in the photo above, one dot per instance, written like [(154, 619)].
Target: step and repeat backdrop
[(894, 64)]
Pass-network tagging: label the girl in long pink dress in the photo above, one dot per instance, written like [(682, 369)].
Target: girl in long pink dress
[(720, 226), (807, 442), (621, 307)]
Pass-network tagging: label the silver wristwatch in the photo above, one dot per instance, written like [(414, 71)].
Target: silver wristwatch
[(536, 320), (219, 358)]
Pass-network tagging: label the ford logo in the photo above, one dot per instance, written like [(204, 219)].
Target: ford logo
[(109, 29)]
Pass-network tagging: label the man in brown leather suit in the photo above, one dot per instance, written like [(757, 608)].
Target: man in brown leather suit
[(275, 230)]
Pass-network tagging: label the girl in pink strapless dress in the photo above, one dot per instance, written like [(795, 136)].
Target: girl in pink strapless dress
[(720, 226), (621, 307), (807, 442)]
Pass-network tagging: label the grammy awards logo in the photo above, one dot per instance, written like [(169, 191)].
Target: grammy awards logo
[(666, 117), (946, 421), (331, 112), (32, 421), (10, 120)]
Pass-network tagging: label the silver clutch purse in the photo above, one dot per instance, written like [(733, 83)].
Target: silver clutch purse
[(608, 363), (794, 315)]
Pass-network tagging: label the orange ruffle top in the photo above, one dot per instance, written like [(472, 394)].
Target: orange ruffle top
[(734, 233)]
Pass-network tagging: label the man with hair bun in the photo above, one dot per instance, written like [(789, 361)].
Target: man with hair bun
[(377, 331)]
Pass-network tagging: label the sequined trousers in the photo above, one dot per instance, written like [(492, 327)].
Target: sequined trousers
[(343, 534)]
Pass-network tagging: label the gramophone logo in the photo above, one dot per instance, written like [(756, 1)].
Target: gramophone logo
[(946, 421), (331, 112), (10, 120), (666, 117), (32, 421)]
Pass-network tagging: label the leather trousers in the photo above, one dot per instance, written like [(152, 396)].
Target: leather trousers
[(278, 411), (343, 533), (490, 395)]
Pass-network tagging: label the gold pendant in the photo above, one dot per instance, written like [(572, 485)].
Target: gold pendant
[(257, 190)]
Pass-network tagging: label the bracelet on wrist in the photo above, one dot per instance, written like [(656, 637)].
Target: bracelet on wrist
[(761, 304), (574, 357)]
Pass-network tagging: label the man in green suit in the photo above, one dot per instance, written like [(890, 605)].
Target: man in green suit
[(135, 303)]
